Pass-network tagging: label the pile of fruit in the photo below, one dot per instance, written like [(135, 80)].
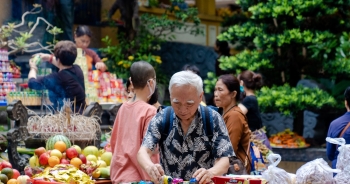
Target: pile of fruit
[(288, 139), (60, 155), (9, 175)]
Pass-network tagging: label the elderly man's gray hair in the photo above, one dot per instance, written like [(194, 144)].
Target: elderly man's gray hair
[(186, 78)]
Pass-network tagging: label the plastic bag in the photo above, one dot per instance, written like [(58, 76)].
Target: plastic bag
[(343, 159), (275, 175), (343, 176), (315, 172)]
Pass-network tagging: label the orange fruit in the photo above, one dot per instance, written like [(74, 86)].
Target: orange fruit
[(76, 162), (12, 181), (61, 146), (53, 160)]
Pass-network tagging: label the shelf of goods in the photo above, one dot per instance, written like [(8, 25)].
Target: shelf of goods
[(102, 87), (30, 98), (8, 71)]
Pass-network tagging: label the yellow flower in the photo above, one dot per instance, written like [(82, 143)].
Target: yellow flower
[(158, 57), (131, 58), (104, 59), (176, 8), (159, 61), (125, 65), (120, 62)]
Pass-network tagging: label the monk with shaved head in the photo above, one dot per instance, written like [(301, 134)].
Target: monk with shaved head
[(130, 125)]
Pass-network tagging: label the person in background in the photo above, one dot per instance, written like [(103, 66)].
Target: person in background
[(153, 100), (129, 90), (251, 82), (67, 83), (131, 124), (223, 49), (339, 128), (187, 151), (194, 69), (226, 96), (82, 37), (65, 17)]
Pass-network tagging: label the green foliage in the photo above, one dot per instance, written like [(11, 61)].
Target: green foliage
[(286, 40), (302, 34), (153, 31), (341, 63), (253, 61), (210, 82), (289, 100)]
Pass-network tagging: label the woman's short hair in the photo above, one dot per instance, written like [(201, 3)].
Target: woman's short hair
[(232, 84), (66, 52), (186, 78)]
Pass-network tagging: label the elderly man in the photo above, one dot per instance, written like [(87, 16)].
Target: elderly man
[(194, 143)]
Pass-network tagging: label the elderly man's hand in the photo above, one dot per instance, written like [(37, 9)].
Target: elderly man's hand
[(156, 172), (203, 176)]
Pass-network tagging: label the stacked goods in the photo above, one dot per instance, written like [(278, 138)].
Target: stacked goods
[(8, 71), (100, 86), (110, 89), (288, 139), (29, 98), (91, 91), (74, 126)]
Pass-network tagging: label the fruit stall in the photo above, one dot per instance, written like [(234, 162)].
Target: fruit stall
[(63, 158)]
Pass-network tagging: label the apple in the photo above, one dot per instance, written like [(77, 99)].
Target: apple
[(64, 161), (77, 148), (16, 173), (44, 159), (5, 164), (71, 153), (28, 171), (82, 158), (39, 151)]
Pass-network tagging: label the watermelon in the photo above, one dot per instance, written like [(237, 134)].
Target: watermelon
[(52, 140)]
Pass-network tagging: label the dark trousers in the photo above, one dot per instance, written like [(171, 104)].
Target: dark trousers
[(65, 15)]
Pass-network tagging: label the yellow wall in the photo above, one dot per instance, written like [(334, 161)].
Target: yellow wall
[(210, 24), (5, 10)]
